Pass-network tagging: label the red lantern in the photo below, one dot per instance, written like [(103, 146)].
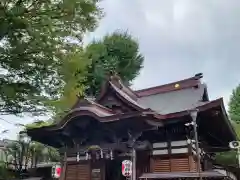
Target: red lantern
[(56, 171)]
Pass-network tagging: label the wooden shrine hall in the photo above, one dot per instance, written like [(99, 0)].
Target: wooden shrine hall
[(152, 127)]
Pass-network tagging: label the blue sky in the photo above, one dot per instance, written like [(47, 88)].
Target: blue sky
[(178, 38)]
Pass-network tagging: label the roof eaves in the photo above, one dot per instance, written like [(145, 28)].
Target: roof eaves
[(202, 107), (103, 119), (228, 122)]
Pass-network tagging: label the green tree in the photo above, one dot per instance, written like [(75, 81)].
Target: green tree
[(18, 154), (24, 153), (234, 105), (35, 40), (230, 158), (4, 173), (118, 52), (74, 72)]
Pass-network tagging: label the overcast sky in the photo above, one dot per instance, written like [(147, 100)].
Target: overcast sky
[(178, 39)]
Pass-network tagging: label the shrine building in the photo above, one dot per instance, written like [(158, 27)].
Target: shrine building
[(172, 131)]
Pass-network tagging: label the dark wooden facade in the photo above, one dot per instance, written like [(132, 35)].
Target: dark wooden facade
[(97, 135)]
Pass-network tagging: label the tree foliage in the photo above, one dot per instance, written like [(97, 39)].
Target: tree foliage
[(74, 72), (118, 52), (234, 105), (34, 43), (230, 158), (24, 153), (4, 173)]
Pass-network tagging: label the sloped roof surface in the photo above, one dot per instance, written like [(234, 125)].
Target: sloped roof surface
[(174, 101)]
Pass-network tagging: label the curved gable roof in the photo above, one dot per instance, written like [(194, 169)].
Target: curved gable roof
[(123, 92)]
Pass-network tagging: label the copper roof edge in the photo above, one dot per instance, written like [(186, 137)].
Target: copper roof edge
[(203, 107), (73, 114), (83, 101), (183, 84)]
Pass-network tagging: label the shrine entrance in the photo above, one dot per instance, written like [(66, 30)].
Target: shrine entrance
[(113, 170)]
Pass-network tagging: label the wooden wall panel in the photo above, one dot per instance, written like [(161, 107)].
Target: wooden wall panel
[(83, 172), (71, 172), (180, 164), (77, 172), (160, 165), (173, 164)]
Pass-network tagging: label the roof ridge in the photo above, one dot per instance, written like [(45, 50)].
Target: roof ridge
[(88, 100), (126, 96), (117, 81), (173, 86)]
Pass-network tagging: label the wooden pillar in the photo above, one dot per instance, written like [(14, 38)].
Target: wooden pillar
[(134, 158), (133, 138), (64, 165)]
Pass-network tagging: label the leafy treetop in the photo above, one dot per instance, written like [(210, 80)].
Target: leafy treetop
[(35, 41), (117, 52), (234, 105)]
